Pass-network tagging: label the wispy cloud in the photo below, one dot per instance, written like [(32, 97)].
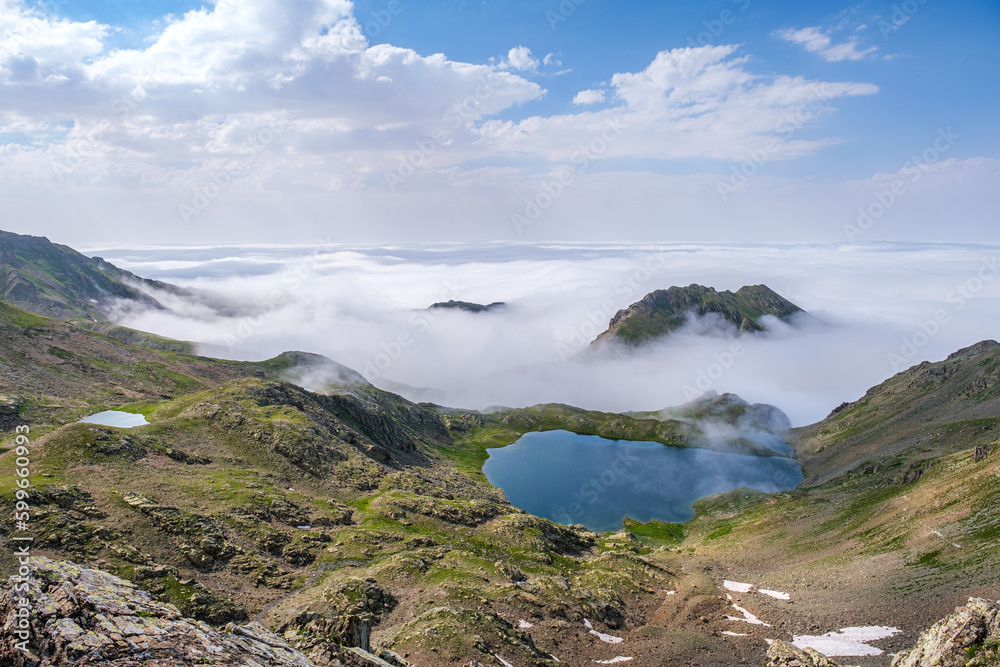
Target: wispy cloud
[(814, 40)]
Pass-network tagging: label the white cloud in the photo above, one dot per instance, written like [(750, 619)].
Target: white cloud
[(186, 105), (689, 102), (814, 40), (586, 97), (520, 58), (37, 49)]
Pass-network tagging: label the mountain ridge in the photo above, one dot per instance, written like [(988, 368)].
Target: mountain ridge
[(52, 279), (664, 311)]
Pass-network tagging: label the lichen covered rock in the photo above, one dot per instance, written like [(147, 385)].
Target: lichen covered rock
[(75, 615), (968, 638), (783, 654)]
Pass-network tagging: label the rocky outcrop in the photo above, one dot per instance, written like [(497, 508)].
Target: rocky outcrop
[(74, 615), (783, 654), (968, 638), (10, 408), (664, 311), (62, 614), (468, 306)]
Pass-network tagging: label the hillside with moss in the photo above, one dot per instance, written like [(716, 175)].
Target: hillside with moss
[(328, 516), (350, 517), (51, 279), (664, 311), (897, 513)]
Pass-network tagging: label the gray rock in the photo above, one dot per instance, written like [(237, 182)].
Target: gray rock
[(969, 637), (78, 615), (783, 654)]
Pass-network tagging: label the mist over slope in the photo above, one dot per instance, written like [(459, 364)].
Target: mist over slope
[(885, 306)]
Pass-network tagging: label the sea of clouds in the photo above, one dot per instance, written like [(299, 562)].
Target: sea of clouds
[(878, 309)]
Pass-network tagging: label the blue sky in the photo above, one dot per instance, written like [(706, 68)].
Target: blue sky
[(125, 111)]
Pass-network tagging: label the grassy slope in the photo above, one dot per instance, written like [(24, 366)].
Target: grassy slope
[(894, 503), (56, 280), (203, 505)]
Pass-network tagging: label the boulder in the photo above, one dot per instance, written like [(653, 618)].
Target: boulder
[(783, 654), (969, 637), (76, 615)]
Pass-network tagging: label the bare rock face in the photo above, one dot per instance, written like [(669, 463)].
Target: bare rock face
[(783, 654), (62, 614), (969, 637)]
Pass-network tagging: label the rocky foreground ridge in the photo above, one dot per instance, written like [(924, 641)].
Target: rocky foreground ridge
[(65, 614), (968, 638)]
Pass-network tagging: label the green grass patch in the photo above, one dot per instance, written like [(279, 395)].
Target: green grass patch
[(656, 533), (719, 532)]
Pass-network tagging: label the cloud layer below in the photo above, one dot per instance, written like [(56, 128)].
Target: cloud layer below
[(883, 308)]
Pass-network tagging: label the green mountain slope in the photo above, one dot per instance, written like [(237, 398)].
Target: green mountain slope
[(930, 409), (896, 521), (55, 280), (664, 311), (351, 516), (329, 515)]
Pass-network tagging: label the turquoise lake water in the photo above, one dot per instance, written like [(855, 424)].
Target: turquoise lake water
[(596, 482)]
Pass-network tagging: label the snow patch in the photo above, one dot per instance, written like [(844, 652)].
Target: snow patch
[(503, 662), (614, 660), (736, 586), (669, 592), (847, 642), (747, 617), (608, 639), (775, 594), (734, 634), (524, 625)]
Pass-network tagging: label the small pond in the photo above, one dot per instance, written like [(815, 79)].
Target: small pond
[(115, 418), (585, 479)]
